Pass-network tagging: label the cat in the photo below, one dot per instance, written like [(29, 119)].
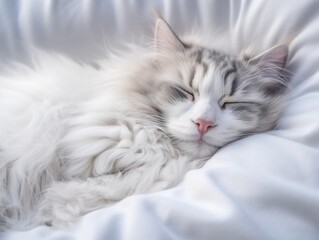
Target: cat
[(75, 138)]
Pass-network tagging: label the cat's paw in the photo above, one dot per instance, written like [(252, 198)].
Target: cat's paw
[(57, 208), (56, 215), (64, 203)]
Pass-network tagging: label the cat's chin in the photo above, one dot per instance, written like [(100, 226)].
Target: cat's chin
[(197, 149)]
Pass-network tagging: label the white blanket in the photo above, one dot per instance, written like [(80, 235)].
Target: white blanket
[(263, 187)]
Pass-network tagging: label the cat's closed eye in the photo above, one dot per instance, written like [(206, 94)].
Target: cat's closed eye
[(225, 104), (182, 93)]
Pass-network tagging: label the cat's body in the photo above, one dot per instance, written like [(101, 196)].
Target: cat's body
[(75, 138)]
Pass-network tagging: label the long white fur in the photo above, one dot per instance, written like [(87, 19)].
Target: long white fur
[(62, 104), (72, 138)]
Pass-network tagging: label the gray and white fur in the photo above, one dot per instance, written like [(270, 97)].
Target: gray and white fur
[(74, 138)]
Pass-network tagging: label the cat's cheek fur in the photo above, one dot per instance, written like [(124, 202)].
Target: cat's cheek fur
[(186, 137), (228, 129), (185, 132)]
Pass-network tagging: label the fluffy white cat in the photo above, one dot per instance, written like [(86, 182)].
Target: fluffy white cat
[(75, 138)]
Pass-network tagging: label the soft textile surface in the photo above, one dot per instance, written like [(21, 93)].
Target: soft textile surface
[(262, 187)]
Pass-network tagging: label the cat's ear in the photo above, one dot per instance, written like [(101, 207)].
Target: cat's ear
[(276, 56), (272, 63), (165, 38)]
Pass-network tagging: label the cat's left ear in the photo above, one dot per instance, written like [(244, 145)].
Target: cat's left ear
[(165, 38), (276, 57)]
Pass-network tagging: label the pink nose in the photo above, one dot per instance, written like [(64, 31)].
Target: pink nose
[(203, 125)]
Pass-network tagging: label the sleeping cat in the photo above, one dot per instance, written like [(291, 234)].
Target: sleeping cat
[(74, 138)]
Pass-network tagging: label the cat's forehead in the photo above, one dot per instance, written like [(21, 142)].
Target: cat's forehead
[(205, 71), (203, 67), (210, 59), (202, 55)]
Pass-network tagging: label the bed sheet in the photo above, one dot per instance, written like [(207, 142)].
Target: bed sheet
[(262, 187)]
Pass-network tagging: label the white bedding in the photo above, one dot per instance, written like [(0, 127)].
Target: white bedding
[(263, 187)]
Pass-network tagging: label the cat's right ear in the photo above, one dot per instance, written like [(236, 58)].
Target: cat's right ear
[(276, 57), (165, 38)]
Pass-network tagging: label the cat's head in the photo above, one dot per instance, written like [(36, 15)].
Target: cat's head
[(208, 98)]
